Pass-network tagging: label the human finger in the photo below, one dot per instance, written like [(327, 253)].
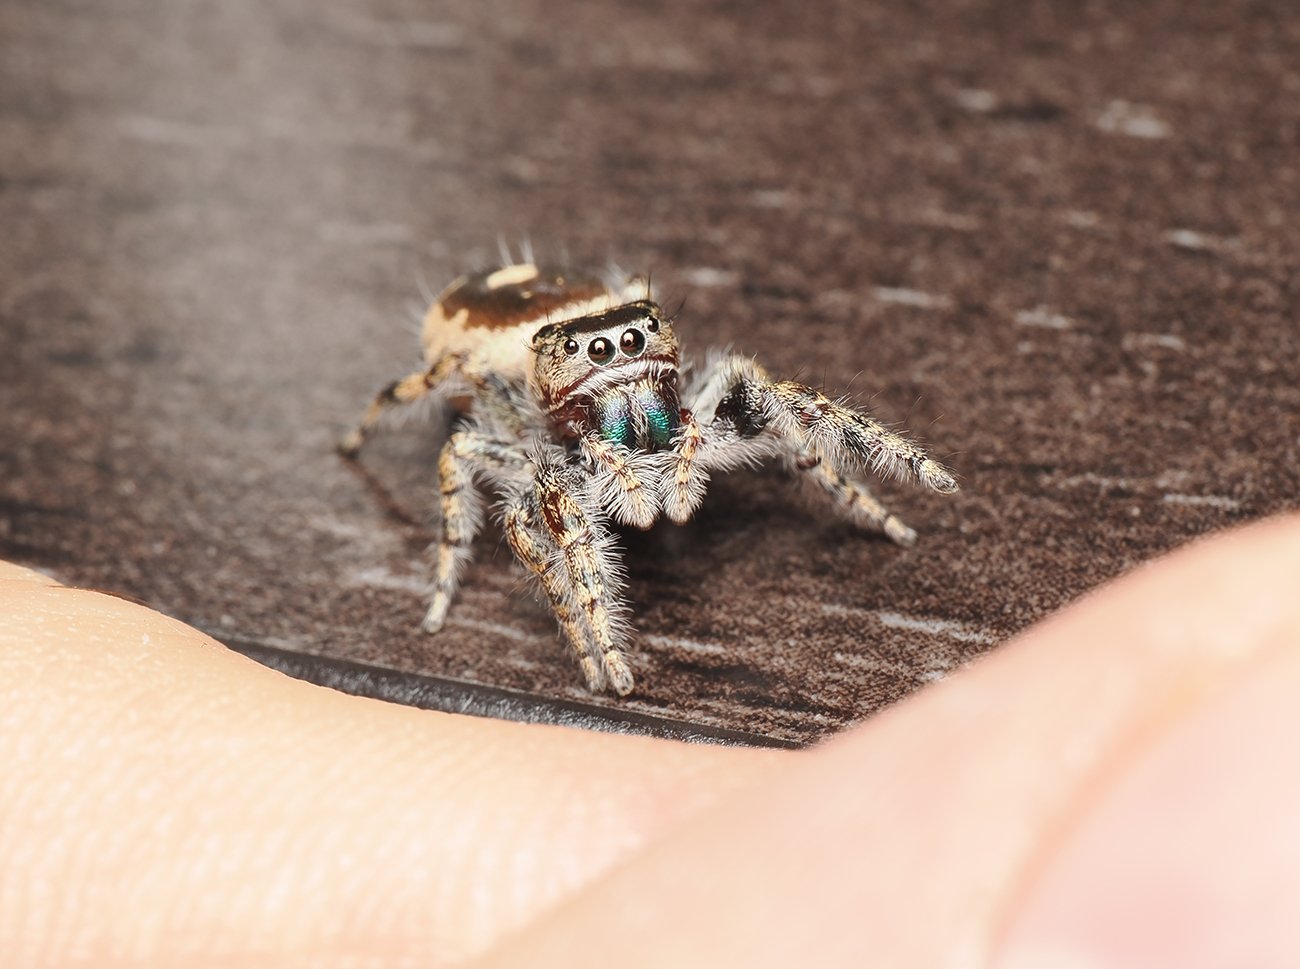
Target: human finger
[(166, 801), (921, 838)]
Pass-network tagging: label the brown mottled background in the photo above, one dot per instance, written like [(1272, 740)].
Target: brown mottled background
[(1058, 239)]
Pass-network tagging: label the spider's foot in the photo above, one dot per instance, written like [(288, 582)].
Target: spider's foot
[(620, 676), (936, 477), (436, 617), (591, 672), (899, 533), (350, 444)]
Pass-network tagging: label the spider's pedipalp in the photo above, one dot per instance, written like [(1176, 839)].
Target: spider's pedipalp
[(683, 490), (619, 484)]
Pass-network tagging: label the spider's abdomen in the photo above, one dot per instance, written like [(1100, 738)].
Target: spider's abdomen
[(488, 318)]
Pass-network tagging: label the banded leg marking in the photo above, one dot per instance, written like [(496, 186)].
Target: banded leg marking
[(462, 516), (464, 454), (576, 538), (686, 489), (739, 395), (839, 430), (521, 535)]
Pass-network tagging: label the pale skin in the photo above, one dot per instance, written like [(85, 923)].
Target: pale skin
[(1117, 787)]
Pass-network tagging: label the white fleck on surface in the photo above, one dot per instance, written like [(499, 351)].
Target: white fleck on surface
[(1133, 120), (1098, 480), (690, 645), (976, 99), (948, 628), (911, 297), (1081, 219), (706, 277), (872, 664), (1042, 316), (1196, 241), (381, 577), (1167, 340), (495, 629), (770, 198), (1203, 501)]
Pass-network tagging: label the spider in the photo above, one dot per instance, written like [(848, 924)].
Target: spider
[(568, 401)]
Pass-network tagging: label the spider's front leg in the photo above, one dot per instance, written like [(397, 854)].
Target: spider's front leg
[(570, 553), (746, 401), (745, 417)]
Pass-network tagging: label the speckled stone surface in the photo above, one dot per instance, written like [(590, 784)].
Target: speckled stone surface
[(1058, 240)]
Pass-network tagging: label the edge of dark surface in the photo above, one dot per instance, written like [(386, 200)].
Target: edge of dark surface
[(450, 695)]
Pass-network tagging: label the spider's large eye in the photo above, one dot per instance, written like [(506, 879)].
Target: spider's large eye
[(600, 350), (632, 342), (570, 346)]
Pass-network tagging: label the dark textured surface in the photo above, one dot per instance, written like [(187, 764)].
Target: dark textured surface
[(1057, 239)]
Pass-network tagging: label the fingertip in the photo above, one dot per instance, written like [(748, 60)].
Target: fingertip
[(12, 572)]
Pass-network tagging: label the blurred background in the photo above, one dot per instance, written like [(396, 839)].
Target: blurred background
[(1057, 240)]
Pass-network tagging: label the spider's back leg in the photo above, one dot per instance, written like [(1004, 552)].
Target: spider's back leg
[(408, 390), (853, 499), (465, 452)]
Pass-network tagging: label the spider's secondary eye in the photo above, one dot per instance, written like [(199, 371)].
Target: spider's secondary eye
[(600, 350), (570, 346), (632, 342), (653, 325)]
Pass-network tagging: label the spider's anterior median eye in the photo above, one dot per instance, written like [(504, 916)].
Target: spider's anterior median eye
[(632, 342), (600, 350), (570, 346)]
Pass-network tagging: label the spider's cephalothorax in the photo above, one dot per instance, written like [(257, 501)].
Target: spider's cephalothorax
[(612, 375), (567, 402)]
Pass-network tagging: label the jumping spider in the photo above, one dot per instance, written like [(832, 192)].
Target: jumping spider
[(567, 401)]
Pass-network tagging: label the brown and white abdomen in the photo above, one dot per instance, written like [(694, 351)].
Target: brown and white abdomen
[(487, 319)]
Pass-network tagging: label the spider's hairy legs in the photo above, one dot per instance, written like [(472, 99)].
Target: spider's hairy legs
[(462, 510), (743, 402), (743, 416), (533, 549), (853, 499), (569, 552), (408, 390)]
